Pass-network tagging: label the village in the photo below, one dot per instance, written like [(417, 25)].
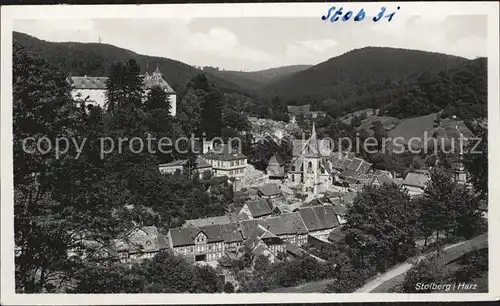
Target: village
[(287, 211)]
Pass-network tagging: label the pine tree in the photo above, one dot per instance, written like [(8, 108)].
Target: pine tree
[(436, 211), (157, 99), (124, 86)]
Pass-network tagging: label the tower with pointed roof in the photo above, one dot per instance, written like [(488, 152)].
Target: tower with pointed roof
[(310, 169), (460, 175)]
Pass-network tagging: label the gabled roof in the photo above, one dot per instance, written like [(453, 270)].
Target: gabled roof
[(141, 239), (213, 232), (285, 224), (339, 209), (200, 163), (276, 160), (156, 80), (259, 208), (224, 153), (182, 236), (312, 148), (269, 190), (207, 221), (416, 180), (149, 81), (354, 165), (85, 82), (231, 232), (336, 235), (248, 227), (295, 250), (319, 217), (335, 200), (364, 167)]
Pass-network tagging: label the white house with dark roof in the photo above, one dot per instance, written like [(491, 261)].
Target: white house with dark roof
[(204, 243), (179, 165), (92, 90), (140, 243), (226, 161)]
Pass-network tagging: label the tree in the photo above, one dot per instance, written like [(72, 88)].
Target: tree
[(468, 221), (124, 86), (60, 202), (426, 272), (237, 121), (381, 225), (476, 163), (211, 114), (436, 210), (228, 287), (157, 98), (189, 114), (165, 273)]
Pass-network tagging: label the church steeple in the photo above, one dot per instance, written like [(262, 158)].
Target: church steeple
[(157, 71), (460, 174)]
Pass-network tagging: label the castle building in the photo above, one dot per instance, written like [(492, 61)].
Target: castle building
[(92, 90)]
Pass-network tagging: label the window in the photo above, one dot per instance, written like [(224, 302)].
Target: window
[(232, 163), (293, 168), (293, 178), (310, 165)]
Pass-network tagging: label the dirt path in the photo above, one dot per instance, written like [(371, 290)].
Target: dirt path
[(380, 282), (398, 270), (454, 250)]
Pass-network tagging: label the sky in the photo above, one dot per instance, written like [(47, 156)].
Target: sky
[(250, 43)]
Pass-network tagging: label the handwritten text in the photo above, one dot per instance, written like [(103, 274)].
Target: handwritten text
[(334, 15)]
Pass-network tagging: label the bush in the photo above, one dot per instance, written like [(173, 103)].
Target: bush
[(427, 271), (350, 279), (228, 287)]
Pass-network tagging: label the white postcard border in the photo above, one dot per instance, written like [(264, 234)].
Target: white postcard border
[(11, 13)]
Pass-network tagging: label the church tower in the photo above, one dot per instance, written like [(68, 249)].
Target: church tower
[(460, 175), (312, 159)]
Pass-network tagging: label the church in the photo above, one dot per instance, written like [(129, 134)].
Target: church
[(310, 169), (93, 89)]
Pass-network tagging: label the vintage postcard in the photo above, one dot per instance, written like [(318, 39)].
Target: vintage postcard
[(249, 153)]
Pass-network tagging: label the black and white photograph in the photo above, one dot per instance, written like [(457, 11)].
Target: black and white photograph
[(299, 152)]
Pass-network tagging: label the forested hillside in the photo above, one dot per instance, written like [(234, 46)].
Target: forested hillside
[(462, 92), (94, 59), (257, 79), (361, 74)]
